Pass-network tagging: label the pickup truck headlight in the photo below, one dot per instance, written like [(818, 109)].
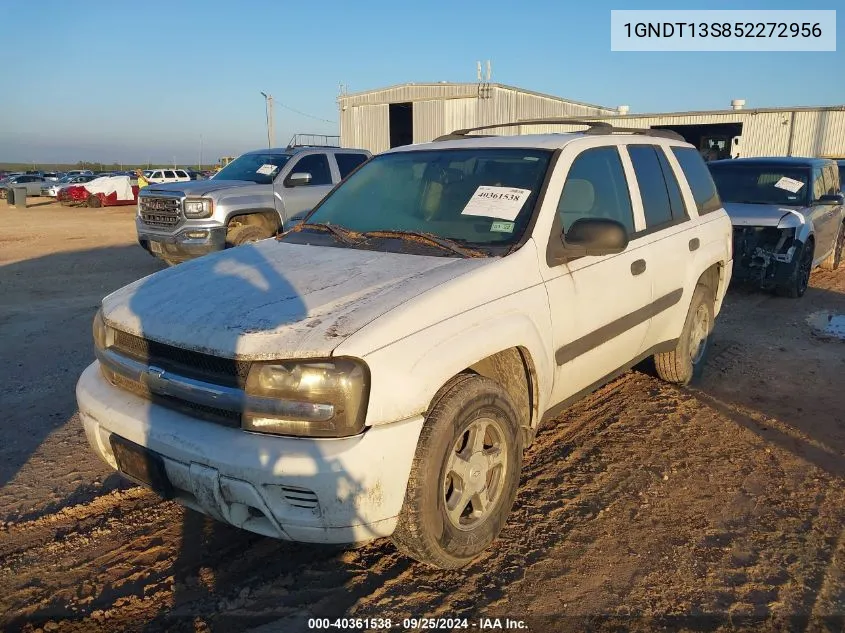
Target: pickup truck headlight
[(196, 208), (312, 398)]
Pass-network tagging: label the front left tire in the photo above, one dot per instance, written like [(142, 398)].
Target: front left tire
[(464, 475)]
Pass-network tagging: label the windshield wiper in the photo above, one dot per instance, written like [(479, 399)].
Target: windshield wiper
[(341, 233), (443, 242)]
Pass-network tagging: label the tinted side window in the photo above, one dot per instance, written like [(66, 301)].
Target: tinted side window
[(347, 162), (676, 200), (653, 190), (181, 174), (596, 188), (318, 166), (169, 174), (699, 179)]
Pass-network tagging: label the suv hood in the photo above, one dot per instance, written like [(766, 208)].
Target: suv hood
[(760, 214), (198, 187), (271, 300)]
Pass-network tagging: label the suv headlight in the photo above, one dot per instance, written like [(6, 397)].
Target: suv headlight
[(312, 398), (198, 207), (101, 331)]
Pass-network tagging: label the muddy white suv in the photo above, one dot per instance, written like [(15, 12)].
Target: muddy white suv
[(379, 369)]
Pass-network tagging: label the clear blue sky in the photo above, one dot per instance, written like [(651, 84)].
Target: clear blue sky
[(137, 81)]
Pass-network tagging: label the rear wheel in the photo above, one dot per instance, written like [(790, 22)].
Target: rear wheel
[(245, 234), (834, 260), (796, 285), (94, 202), (685, 363), (464, 476)]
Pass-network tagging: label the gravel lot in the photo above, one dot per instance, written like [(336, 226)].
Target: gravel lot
[(715, 508)]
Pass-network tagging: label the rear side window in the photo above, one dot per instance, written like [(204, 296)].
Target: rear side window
[(318, 166), (596, 188), (676, 200), (346, 163), (699, 178), (653, 192), (181, 174), (169, 174)]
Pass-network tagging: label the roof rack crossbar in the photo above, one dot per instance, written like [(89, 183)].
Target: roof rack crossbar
[(593, 127)]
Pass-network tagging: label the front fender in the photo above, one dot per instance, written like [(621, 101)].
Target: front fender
[(407, 374)]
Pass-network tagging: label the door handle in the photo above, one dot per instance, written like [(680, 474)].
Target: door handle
[(694, 243), (638, 267)]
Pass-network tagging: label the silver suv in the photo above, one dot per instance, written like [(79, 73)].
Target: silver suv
[(252, 198)]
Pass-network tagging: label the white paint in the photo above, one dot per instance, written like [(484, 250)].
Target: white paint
[(415, 321), (360, 485)]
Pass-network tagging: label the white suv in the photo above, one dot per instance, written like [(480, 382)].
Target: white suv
[(158, 176), (380, 368)]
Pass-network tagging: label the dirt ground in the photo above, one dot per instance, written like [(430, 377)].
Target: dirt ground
[(644, 507)]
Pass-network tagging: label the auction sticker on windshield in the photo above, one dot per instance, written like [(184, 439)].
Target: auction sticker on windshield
[(502, 203), (266, 169), (789, 184)]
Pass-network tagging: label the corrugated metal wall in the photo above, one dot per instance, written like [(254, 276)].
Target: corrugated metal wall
[(440, 109)]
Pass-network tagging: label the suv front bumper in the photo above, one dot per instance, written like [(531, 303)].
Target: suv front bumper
[(189, 242), (347, 490)]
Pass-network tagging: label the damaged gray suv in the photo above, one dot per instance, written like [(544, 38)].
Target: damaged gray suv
[(788, 217)]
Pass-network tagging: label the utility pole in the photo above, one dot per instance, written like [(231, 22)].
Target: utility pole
[(268, 104)]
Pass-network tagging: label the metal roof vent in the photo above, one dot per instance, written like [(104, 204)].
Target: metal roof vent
[(623, 109), (738, 104)]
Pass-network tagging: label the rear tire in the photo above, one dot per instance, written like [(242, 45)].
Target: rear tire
[(464, 476), (685, 363), (241, 234), (834, 260), (799, 280), (94, 202)]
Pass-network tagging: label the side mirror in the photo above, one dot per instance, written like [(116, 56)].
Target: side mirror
[(832, 199), (298, 179), (595, 236)]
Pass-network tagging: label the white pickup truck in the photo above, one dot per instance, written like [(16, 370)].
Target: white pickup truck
[(380, 368)]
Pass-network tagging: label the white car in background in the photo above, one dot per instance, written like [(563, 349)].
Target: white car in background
[(158, 176)]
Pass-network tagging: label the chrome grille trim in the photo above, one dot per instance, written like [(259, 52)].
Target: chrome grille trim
[(160, 212)]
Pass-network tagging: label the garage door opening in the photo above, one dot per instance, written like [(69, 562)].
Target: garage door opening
[(401, 124), (714, 140)]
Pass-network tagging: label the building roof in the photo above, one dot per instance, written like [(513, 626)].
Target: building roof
[(748, 111), (469, 89)]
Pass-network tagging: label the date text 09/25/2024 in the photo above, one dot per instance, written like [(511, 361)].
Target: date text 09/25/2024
[(416, 624)]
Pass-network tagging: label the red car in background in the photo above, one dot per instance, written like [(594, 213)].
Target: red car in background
[(100, 193)]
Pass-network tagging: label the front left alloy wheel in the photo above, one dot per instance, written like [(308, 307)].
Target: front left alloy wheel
[(464, 476)]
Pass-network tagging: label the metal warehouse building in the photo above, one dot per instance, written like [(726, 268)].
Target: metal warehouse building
[(416, 113)]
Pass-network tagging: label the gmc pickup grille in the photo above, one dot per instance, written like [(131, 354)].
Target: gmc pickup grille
[(160, 212)]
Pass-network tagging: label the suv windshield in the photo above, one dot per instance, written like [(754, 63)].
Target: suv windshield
[(259, 168), (478, 196), (762, 183)]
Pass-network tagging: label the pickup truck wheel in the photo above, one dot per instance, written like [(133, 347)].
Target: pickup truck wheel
[(835, 258), (464, 476), (685, 363), (94, 202), (798, 281), (245, 234)]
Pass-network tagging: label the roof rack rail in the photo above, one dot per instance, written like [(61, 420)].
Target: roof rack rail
[(593, 127), (314, 140)]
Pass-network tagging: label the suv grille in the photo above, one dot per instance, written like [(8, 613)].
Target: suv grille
[(213, 369), (160, 212)]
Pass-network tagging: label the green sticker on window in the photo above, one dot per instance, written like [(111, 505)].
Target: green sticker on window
[(501, 227)]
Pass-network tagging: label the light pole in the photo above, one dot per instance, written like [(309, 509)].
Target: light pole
[(268, 103)]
